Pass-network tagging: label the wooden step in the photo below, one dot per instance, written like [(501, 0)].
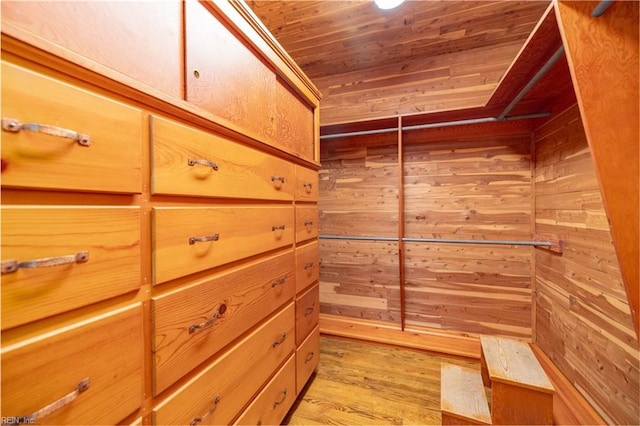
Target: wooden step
[(521, 392), (462, 397)]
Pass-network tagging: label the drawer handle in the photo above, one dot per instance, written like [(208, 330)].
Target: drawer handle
[(307, 186), (204, 417), (193, 162), (221, 310), (308, 223), (278, 282), (277, 179), (284, 396), (308, 311), (309, 357), (13, 125), (279, 342), (54, 406), (308, 265), (203, 239), (10, 266), (279, 227)]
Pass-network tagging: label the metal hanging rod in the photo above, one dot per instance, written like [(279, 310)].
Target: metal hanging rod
[(541, 72), (601, 8), (436, 125), (437, 240)]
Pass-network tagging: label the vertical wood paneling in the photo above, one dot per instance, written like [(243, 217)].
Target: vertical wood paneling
[(583, 320)]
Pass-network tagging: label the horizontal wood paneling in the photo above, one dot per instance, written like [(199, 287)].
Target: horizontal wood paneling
[(422, 56), (360, 279), (471, 189), (358, 190), (583, 320), (471, 288)]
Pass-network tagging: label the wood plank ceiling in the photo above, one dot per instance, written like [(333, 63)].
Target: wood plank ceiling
[(421, 57)]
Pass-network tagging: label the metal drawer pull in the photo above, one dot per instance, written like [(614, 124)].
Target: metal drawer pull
[(284, 396), (14, 125), (308, 311), (221, 310), (193, 162), (278, 282), (54, 406), (308, 186), (197, 420), (203, 239), (279, 342), (308, 223), (10, 266), (275, 228), (308, 265), (309, 357), (277, 178)]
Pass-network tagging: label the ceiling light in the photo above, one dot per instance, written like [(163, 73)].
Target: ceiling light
[(388, 4)]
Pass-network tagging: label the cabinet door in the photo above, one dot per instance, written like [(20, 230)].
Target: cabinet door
[(225, 77), (294, 130), (140, 39)]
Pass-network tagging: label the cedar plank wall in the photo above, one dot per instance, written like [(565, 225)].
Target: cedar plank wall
[(358, 191), (474, 187), (583, 320)]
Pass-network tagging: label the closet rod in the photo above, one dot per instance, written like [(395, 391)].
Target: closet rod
[(541, 72), (437, 240), (436, 125), (601, 8)]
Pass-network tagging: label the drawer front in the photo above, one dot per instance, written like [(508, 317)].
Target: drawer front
[(306, 184), (306, 223), (188, 240), (307, 313), (307, 357), (191, 162), (66, 257), (50, 157), (193, 323), (273, 403), (106, 350), (219, 392), (307, 265)]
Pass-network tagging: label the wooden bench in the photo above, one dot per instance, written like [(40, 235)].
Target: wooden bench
[(521, 392), (462, 397)]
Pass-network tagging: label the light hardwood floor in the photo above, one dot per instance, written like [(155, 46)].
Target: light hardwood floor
[(361, 383)]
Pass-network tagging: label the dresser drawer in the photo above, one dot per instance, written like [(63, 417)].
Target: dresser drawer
[(193, 323), (306, 222), (273, 403), (307, 313), (42, 149), (307, 357), (192, 239), (192, 162), (104, 352), (55, 259), (306, 184), (307, 265), (220, 391)]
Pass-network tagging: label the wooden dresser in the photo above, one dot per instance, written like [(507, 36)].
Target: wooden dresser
[(159, 215)]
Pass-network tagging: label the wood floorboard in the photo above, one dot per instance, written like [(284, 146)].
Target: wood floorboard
[(362, 383)]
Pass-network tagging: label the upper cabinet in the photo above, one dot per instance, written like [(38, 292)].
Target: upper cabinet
[(226, 78), (212, 60), (140, 40)]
